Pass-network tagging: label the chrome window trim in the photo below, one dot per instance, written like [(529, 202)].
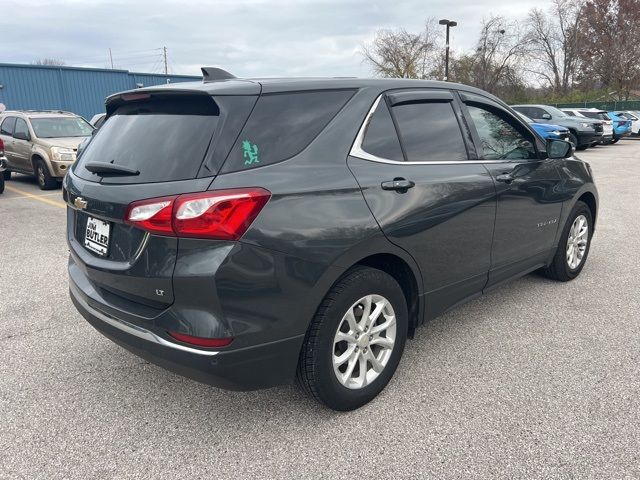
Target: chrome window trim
[(358, 152)]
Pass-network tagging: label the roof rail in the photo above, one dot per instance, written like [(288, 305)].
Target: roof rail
[(211, 74), (45, 111)]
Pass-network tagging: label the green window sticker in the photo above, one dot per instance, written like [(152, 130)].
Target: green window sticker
[(250, 153)]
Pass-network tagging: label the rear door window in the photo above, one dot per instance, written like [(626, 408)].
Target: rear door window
[(381, 138), (429, 131), (536, 112), (164, 138), (8, 125), (21, 127), (282, 125), (523, 110)]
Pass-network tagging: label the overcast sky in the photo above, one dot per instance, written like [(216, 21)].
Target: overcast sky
[(246, 37)]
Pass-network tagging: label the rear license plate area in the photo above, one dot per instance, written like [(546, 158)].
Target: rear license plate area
[(96, 236)]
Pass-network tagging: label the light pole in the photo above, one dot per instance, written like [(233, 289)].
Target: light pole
[(449, 24)]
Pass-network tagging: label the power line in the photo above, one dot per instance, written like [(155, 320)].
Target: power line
[(115, 54), (150, 62)]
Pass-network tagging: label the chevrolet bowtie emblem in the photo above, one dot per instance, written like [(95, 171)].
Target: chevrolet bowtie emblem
[(80, 203)]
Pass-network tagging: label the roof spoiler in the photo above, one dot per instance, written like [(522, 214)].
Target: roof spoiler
[(211, 74)]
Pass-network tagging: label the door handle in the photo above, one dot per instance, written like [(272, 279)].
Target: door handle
[(398, 184), (505, 177)]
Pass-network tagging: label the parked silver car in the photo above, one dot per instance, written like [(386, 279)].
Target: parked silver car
[(596, 114)]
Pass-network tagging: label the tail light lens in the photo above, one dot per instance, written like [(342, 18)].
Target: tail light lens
[(221, 214), (1, 145), (201, 341), (153, 215)]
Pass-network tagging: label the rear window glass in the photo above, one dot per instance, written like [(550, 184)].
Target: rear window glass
[(282, 125), (7, 126), (430, 131), (381, 138), (595, 115), (165, 139)]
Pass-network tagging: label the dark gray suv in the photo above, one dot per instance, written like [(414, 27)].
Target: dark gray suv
[(583, 132), (246, 233)]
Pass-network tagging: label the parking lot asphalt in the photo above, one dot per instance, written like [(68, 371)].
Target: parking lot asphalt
[(535, 380)]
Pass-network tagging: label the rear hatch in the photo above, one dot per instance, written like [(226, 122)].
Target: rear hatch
[(153, 144)]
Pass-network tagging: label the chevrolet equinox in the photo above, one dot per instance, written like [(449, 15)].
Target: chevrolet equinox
[(249, 232)]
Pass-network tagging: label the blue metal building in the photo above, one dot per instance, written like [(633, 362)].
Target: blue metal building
[(73, 89)]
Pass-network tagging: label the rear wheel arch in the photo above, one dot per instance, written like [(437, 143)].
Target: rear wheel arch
[(590, 199), (407, 277)]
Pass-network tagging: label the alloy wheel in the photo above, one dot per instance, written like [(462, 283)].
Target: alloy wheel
[(41, 179), (364, 341), (577, 241)]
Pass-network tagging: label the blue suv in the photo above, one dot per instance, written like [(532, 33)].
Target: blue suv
[(547, 130), (621, 126)]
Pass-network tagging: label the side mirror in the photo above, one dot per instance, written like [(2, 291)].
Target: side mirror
[(558, 148), (22, 136), (546, 116)]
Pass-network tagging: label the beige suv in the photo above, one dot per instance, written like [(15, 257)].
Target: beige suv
[(41, 143)]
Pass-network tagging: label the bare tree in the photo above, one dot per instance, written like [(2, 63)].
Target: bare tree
[(494, 64), (554, 42), (611, 45), (49, 61), (402, 54), (500, 47)]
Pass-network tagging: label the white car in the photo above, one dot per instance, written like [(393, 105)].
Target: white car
[(607, 135), (98, 119)]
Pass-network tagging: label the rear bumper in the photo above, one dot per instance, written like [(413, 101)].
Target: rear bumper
[(621, 134), (248, 368)]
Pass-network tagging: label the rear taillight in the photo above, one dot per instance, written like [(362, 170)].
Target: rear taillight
[(221, 214), (1, 145), (201, 341), (153, 215)]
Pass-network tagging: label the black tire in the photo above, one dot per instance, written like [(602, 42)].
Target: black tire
[(615, 140), (582, 147), (43, 177), (559, 268), (1, 183), (573, 140), (6, 175), (315, 373)]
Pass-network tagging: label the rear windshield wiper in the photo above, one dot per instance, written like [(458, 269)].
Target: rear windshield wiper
[(110, 168)]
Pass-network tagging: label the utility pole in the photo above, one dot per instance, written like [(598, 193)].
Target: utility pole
[(166, 70), (449, 24), (111, 58)]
